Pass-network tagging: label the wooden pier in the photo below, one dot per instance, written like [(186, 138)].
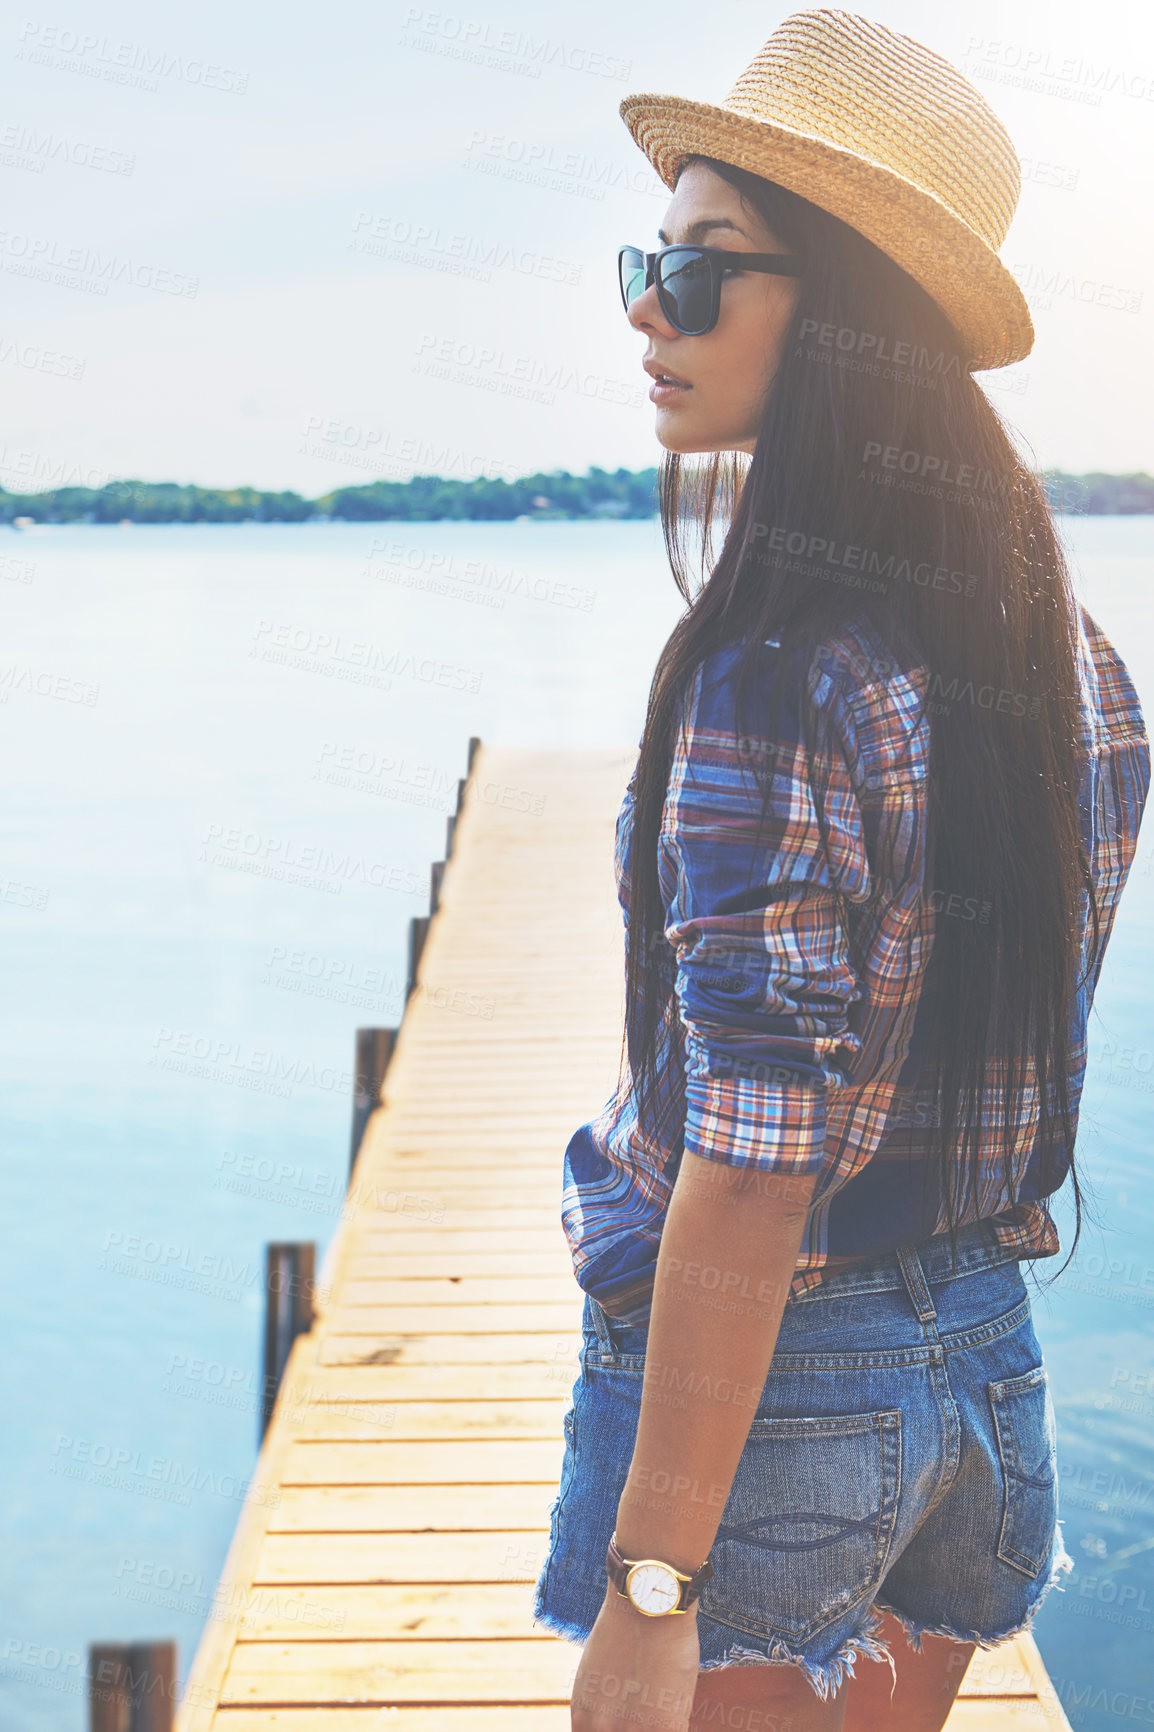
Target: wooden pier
[(383, 1566)]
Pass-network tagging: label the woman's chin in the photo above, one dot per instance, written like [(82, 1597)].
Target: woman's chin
[(686, 441)]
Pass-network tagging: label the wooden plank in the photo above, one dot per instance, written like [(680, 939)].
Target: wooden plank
[(521, 1380), (502, 1168), (527, 1263), (463, 1193), (461, 1290), (419, 1129), (383, 1673), (970, 1714), (544, 1347), (400, 1231), (429, 1420), (508, 1717), (511, 1555), (490, 1611), (495, 1320), (423, 1166), (543, 1104), (498, 1161), (447, 1240), (439, 1209), (395, 1508), (480, 1461)]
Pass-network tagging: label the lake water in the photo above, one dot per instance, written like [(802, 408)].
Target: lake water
[(231, 753)]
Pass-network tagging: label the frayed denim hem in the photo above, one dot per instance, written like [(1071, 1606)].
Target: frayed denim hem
[(826, 1677), (561, 1626), (1062, 1565)]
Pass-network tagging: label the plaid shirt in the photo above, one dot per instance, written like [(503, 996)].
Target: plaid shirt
[(779, 1055)]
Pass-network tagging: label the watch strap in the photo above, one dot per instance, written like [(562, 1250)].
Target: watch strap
[(618, 1569)]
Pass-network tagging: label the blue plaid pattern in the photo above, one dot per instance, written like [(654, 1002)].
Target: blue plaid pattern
[(776, 1053)]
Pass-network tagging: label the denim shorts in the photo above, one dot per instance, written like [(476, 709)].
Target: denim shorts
[(902, 1457)]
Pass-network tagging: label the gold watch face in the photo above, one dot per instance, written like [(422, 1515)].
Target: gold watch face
[(653, 1588)]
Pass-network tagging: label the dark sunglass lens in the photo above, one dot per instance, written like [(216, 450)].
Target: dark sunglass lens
[(631, 269), (686, 279)]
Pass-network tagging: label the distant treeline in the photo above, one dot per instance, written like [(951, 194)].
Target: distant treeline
[(1099, 495), (424, 498), (617, 493)]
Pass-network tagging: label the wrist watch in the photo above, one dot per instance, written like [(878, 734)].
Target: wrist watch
[(654, 1587)]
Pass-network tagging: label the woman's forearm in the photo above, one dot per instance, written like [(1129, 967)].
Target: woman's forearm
[(728, 1252)]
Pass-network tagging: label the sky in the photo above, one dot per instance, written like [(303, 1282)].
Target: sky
[(239, 242)]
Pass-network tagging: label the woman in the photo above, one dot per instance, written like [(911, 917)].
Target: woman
[(885, 802)]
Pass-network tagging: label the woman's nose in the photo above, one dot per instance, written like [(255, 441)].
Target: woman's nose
[(645, 313)]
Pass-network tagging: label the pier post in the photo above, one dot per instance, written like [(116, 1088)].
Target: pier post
[(374, 1050), (451, 823), (131, 1686), (288, 1286), (418, 932)]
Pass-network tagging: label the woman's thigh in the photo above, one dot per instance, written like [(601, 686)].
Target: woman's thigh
[(776, 1698)]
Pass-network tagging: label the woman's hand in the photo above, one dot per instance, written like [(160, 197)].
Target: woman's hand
[(636, 1670)]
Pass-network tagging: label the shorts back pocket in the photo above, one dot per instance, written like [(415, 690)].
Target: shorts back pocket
[(1027, 1436), (807, 1528)]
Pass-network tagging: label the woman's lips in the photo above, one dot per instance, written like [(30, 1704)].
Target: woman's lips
[(667, 391)]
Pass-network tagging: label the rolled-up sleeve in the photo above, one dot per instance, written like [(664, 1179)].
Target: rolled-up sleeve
[(765, 986)]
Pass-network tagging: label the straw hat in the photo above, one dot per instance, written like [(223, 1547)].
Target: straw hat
[(884, 134)]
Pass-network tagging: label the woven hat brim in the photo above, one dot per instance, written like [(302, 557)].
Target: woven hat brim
[(938, 249)]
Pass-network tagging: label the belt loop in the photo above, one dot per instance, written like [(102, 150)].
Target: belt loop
[(910, 1265), (601, 1324)]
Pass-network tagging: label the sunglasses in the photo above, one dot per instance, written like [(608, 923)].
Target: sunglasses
[(689, 280)]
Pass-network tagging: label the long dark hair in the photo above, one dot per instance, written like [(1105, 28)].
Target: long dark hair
[(876, 436)]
